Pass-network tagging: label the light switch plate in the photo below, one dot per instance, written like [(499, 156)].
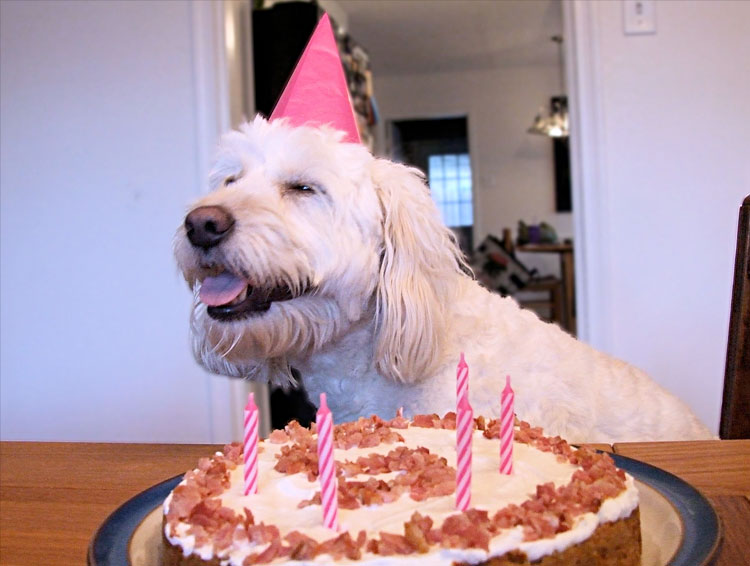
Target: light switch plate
[(639, 16)]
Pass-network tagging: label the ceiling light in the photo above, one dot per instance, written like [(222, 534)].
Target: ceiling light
[(554, 121)]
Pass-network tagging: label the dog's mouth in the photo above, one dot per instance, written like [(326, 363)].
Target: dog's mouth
[(229, 297)]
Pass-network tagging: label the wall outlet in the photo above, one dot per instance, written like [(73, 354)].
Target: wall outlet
[(639, 16)]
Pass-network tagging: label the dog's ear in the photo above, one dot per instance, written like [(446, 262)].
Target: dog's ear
[(420, 268)]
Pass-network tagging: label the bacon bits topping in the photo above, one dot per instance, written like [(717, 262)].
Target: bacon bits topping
[(278, 436), (416, 531), (302, 455), (424, 475), (399, 421), (205, 482), (302, 546), (343, 546), (233, 453), (389, 544), (469, 529), (448, 422), (364, 433)]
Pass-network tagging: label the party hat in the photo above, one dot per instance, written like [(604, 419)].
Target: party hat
[(317, 92)]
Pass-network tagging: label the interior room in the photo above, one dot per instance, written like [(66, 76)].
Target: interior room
[(68, 85), (595, 151)]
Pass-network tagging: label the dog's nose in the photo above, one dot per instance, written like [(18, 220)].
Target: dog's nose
[(206, 226)]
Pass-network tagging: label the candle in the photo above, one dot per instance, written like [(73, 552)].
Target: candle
[(464, 433), (462, 379), (251, 446), (326, 468), (507, 422)]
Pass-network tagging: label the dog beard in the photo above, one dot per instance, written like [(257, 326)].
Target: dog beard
[(260, 346)]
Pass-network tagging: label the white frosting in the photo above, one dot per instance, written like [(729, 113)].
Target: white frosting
[(278, 496)]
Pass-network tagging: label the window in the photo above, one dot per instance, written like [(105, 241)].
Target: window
[(449, 176)]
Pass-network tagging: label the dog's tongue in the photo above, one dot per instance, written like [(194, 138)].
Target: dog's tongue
[(221, 289)]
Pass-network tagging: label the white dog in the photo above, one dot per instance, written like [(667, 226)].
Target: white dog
[(311, 253)]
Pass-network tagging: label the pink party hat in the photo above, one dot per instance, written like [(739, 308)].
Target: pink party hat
[(317, 92)]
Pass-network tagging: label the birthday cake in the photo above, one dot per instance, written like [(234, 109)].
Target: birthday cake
[(397, 503)]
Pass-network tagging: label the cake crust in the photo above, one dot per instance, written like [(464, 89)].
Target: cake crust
[(612, 544)]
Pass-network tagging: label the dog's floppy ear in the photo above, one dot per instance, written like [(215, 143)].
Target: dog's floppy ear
[(420, 267)]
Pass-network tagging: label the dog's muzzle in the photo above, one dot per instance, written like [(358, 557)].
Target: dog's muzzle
[(227, 296)]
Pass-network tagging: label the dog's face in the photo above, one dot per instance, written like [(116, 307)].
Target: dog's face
[(300, 238)]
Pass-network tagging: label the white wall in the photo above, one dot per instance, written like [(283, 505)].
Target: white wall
[(671, 171), (101, 151), (513, 170)]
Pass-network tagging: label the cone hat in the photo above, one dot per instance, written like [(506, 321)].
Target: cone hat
[(317, 92)]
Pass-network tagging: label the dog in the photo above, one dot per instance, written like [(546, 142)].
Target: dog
[(312, 254)]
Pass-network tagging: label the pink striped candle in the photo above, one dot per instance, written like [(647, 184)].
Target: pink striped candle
[(251, 446), (462, 379), (507, 422), (326, 468), (464, 433)]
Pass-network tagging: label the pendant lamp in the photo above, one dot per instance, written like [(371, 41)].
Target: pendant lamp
[(553, 121)]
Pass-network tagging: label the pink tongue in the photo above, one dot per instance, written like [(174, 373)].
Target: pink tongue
[(221, 289)]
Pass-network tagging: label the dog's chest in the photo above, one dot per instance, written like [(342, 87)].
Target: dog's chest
[(345, 372)]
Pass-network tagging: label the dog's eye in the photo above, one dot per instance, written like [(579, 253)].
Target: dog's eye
[(230, 180), (301, 187)]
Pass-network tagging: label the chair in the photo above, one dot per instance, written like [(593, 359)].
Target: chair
[(735, 409), (549, 308)]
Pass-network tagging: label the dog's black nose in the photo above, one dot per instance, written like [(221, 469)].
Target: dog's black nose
[(206, 226)]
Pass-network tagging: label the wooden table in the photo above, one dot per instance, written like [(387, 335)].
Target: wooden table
[(720, 469), (53, 496), (567, 274)]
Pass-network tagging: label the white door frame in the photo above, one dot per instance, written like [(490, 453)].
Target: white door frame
[(591, 203), (211, 84)]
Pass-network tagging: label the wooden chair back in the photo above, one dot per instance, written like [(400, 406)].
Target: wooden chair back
[(735, 410)]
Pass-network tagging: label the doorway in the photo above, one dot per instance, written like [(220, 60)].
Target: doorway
[(440, 148)]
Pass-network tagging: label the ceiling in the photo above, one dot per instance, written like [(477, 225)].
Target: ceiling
[(429, 36)]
